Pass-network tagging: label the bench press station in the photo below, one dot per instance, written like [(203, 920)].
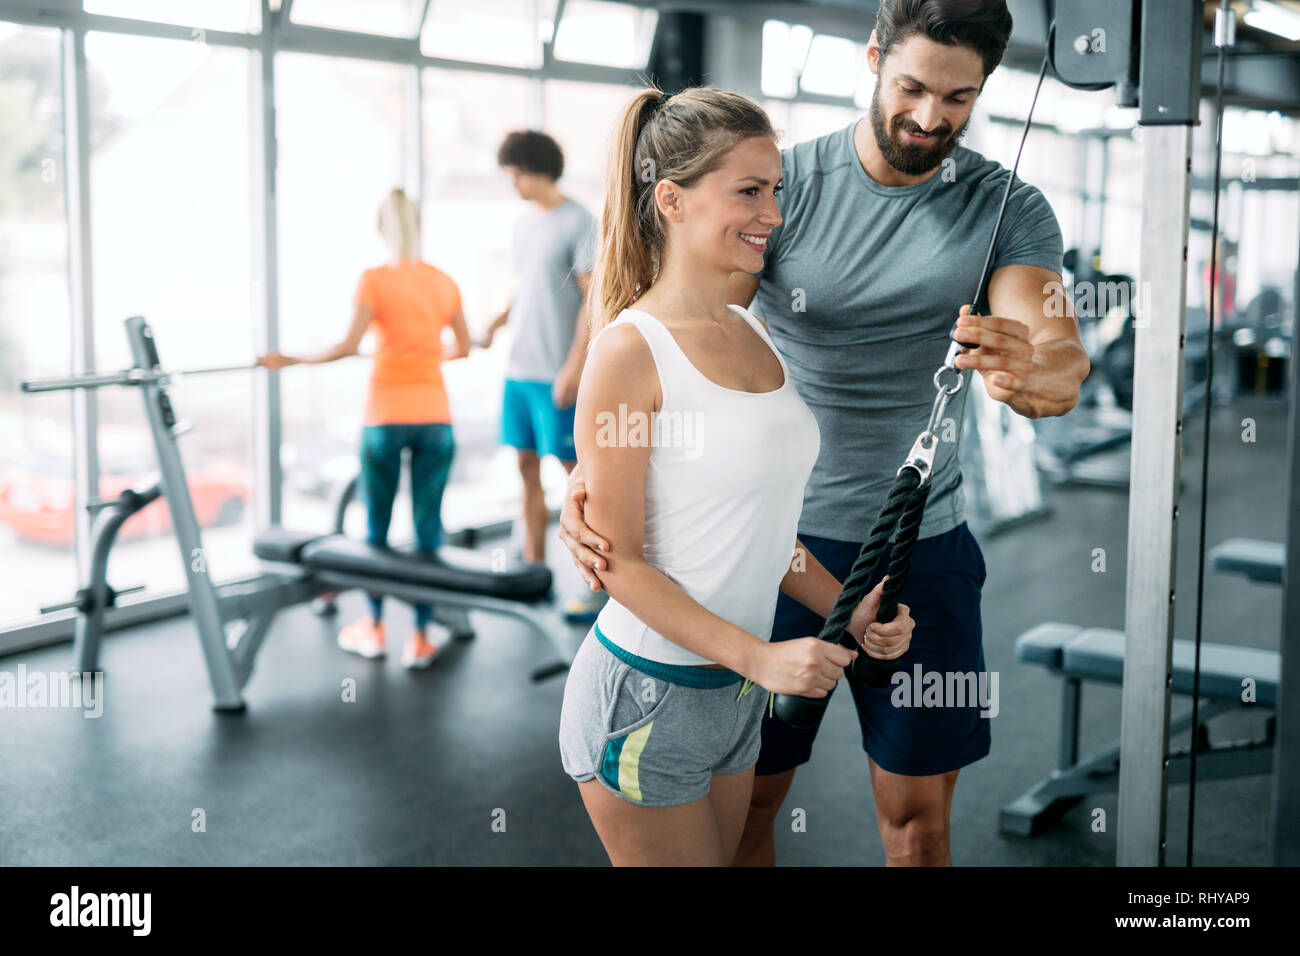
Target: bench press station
[(1078, 654), (232, 619)]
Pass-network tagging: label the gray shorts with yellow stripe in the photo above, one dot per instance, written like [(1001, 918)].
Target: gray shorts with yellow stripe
[(655, 733)]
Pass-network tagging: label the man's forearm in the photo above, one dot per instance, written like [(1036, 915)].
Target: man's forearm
[(578, 349), (809, 583), (1052, 387)]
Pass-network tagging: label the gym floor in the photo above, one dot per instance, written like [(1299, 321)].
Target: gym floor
[(425, 767)]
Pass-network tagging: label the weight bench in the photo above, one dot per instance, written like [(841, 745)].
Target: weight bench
[(1258, 560), (456, 581), (1079, 654), (232, 619)]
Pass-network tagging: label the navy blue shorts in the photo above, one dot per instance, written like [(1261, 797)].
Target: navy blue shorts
[(942, 593)]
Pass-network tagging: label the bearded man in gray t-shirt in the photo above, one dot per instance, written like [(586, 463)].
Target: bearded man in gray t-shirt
[(881, 238)]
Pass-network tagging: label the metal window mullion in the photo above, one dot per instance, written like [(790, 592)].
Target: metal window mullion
[(297, 38), (537, 103), (412, 135), (267, 406), (558, 70), (537, 85), (166, 31), (76, 178), (548, 47), (301, 38), (324, 41), (819, 99), (424, 16)]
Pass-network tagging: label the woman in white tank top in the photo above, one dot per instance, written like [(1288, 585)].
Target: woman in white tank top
[(695, 448)]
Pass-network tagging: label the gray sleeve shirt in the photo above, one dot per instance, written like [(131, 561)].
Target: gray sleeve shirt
[(861, 287), (551, 249)]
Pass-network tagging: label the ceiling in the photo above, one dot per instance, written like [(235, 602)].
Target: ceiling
[(1263, 69)]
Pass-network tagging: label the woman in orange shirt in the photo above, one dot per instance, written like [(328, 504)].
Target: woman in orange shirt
[(409, 303)]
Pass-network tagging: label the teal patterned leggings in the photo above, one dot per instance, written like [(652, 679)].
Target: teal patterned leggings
[(432, 448)]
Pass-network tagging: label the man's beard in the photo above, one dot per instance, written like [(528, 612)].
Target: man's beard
[(908, 158)]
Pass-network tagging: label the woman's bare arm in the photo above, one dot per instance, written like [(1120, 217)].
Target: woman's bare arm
[(620, 371), (361, 319), (461, 330)]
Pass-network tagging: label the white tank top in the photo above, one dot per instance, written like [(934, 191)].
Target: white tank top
[(723, 492)]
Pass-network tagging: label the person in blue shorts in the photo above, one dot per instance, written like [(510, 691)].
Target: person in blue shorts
[(886, 225), (553, 256)]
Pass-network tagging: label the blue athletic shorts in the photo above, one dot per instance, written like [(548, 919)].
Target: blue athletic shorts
[(531, 422), (942, 593)]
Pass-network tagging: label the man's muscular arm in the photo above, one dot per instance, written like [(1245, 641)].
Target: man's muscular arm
[(1029, 350)]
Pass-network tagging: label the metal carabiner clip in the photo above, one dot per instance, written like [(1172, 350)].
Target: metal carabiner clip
[(955, 349)]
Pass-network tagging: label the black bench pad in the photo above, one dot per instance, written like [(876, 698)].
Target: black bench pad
[(453, 569), (1043, 643), (1097, 653), (282, 544), (1257, 560)]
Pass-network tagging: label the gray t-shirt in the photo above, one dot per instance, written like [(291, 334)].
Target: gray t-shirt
[(550, 250), (861, 289)]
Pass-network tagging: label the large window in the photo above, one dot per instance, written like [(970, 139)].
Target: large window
[(469, 213), (608, 34), (1263, 220), (582, 118), (396, 18), (1269, 223), (340, 137), (509, 32), (785, 51), (834, 66), (795, 59), (797, 122), (36, 441), (1051, 161), (1120, 241), (170, 188), (235, 15), (469, 205), (173, 191)]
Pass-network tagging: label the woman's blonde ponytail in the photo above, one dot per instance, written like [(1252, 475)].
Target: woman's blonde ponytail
[(629, 245), (399, 219), (681, 138)]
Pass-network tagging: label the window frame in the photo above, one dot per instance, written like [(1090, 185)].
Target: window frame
[(277, 32)]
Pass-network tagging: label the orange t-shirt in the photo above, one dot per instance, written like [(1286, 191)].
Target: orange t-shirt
[(412, 302)]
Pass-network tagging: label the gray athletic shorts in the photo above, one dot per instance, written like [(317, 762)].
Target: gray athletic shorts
[(655, 742)]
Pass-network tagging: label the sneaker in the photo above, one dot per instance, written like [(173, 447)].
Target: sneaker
[(418, 652), (365, 638), (585, 609)]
